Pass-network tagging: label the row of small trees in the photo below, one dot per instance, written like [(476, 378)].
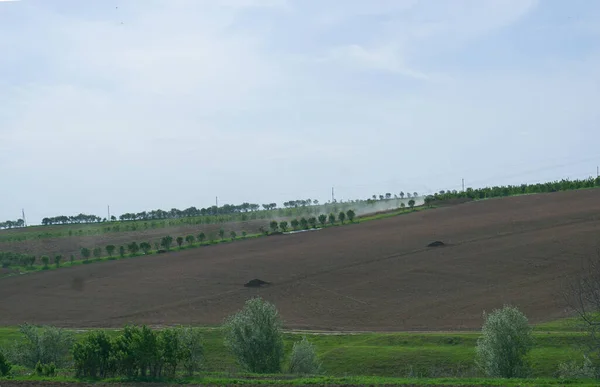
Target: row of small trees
[(12, 224), (253, 336)]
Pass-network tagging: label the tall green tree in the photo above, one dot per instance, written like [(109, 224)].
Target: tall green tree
[(322, 219), (331, 219), (342, 217), (350, 214)]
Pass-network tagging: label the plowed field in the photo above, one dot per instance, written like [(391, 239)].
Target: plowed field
[(377, 275)]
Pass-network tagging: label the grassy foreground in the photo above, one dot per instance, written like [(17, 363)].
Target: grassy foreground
[(383, 358)]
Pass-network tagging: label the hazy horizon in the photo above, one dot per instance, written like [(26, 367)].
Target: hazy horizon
[(154, 104)]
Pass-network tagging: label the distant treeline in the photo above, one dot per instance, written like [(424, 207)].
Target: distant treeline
[(510, 190), (12, 223)]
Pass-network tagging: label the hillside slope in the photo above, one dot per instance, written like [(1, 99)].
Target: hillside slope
[(376, 275)]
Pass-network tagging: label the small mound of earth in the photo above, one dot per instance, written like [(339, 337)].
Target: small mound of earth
[(256, 283), (436, 244)]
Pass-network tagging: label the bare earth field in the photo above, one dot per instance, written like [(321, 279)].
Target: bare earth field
[(376, 275)]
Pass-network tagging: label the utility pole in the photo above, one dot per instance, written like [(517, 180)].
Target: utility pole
[(24, 220), (332, 195), (108, 212), (463, 185), (217, 203), (597, 171)]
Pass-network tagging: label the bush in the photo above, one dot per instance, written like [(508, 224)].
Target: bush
[(572, 370), (94, 355), (253, 335), (506, 340), (42, 369), (97, 252), (5, 365), (304, 359), (192, 352), (179, 241), (45, 261), (122, 251), (43, 345)]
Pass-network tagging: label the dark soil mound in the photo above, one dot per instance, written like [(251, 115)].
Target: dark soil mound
[(436, 244), (256, 283)]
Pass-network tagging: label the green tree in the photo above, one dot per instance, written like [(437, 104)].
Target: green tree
[(411, 203), (322, 219), (350, 214), (85, 253), (402, 205), (504, 344), (331, 219), (254, 337), (244, 234), (5, 365), (304, 360), (122, 251), (342, 217), (295, 224), (97, 252), (191, 349), (283, 225), (222, 233), (274, 226), (179, 241), (45, 261), (166, 242), (110, 249), (146, 247), (93, 356), (43, 345), (312, 221), (304, 223), (57, 260), (201, 238), (233, 235), (190, 239), (133, 248)]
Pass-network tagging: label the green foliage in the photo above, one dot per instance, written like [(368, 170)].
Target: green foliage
[(342, 217), (312, 221), (85, 253), (110, 250), (146, 247), (179, 241), (57, 259), (233, 235), (191, 349), (133, 248), (166, 242), (97, 252), (72, 259), (505, 342), (322, 219), (190, 239), (244, 234), (44, 345), (295, 224), (304, 359), (274, 226), (122, 251), (43, 369), (201, 237), (254, 337), (572, 370), (331, 219), (5, 365), (411, 203), (283, 225), (94, 355), (304, 223), (351, 215), (222, 233), (45, 261)]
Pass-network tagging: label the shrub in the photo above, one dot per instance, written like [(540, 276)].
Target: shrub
[(45, 261), (42, 369), (244, 234), (94, 355), (57, 260), (295, 224), (133, 248), (233, 235), (283, 225), (72, 259), (122, 251), (97, 252), (254, 337), (331, 219), (145, 246), (192, 352), (110, 250), (506, 339), (411, 203), (44, 345), (322, 219), (201, 237), (342, 216), (222, 233), (166, 242), (190, 239), (304, 223), (304, 359), (274, 226), (179, 241), (350, 214), (85, 253), (5, 365), (572, 370), (313, 222)]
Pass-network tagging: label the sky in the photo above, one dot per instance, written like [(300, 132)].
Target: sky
[(147, 104)]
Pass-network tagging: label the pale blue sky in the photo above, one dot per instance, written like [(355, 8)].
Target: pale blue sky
[(145, 104)]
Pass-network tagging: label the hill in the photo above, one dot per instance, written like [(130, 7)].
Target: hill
[(377, 275)]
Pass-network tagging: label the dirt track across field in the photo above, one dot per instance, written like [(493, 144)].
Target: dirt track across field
[(377, 275)]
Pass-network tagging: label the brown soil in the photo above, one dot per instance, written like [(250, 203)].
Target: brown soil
[(376, 275)]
